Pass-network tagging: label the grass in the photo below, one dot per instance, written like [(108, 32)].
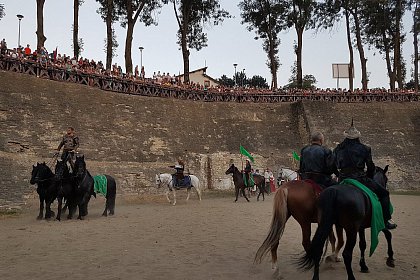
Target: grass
[(411, 192), (10, 212)]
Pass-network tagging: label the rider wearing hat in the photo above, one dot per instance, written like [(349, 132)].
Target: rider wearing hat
[(179, 171), (247, 171), (317, 162), (351, 158)]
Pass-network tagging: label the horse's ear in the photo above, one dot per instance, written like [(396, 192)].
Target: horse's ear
[(386, 169)]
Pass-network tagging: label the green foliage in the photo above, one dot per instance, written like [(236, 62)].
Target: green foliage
[(114, 44), (192, 16), (257, 82), (308, 81), (225, 81), (105, 7), (142, 10)]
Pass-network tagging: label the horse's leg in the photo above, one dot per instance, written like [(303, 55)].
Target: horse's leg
[(105, 213), (111, 206), (243, 193), (390, 259), (167, 196), (306, 235), (59, 208), (362, 246), (83, 206), (197, 189), (262, 190), (48, 212), (41, 208), (348, 251), (174, 192), (236, 193), (188, 193)]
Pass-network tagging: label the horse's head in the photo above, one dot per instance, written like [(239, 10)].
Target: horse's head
[(380, 176), (40, 172), (79, 166), (158, 181), (61, 170), (231, 169)]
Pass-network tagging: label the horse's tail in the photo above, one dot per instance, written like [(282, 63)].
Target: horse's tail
[(280, 216), (326, 202)]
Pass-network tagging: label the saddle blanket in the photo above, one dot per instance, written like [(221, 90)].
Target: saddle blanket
[(181, 183), (377, 222), (100, 184)]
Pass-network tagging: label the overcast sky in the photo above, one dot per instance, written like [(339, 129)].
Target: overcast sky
[(228, 44)]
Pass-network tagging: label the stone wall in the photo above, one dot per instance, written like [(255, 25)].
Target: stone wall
[(132, 137)]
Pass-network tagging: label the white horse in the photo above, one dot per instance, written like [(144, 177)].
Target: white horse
[(165, 179), (287, 174)]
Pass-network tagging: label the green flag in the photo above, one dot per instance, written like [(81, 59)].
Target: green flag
[(295, 156), (245, 153)]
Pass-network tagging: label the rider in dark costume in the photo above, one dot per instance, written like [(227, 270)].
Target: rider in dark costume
[(70, 143), (351, 158), (317, 162)]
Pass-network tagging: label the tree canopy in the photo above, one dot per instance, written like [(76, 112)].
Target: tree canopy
[(2, 13)]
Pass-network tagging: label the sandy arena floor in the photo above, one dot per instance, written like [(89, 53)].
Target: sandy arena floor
[(214, 239)]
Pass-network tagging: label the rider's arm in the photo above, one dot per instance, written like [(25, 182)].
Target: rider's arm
[(61, 144)]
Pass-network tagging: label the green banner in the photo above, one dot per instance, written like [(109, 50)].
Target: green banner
[(295, 156), (246, 153)]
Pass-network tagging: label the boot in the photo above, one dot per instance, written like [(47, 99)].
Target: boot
[(390, 224)]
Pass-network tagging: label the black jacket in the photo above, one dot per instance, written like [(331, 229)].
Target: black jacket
[(317, 159), (352, 157)]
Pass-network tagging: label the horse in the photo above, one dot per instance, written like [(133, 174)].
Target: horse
[(166, 179), (47, 188), (239, 183), (297, 199), (85, 189), (347, 207), (66, 189), (287, 174)]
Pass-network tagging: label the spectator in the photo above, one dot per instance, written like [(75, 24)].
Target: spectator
[(28, 51)]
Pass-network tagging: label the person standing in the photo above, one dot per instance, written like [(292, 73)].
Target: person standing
[(351, 159), (69, 143), (267, 177)]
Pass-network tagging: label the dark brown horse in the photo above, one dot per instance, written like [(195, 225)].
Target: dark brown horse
[(238, 180), (297, 199)]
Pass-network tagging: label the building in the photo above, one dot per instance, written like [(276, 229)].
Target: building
[(200, 77)]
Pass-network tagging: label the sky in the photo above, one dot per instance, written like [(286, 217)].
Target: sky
[(228, 43)]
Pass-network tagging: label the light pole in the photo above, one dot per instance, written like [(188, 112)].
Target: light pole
[(141, 57), (234, 65), (20, 17)]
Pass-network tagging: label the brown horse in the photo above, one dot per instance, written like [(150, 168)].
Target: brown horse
[(297, 199), (238, 180)]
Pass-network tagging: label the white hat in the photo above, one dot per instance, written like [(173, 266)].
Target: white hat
[(352, 132)]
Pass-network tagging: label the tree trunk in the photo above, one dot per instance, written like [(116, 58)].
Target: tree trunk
[(391, 73), (40, 24), (109, 34), (76, 47), (273, 63), (128, 45), (363, 60), (416, 48), (299, 75), (397, 47), (351, 62), (185, 55)]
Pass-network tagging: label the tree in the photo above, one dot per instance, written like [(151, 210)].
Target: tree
[(108, 13), (40, 24), (2, 13), (77, 43), (257, 82), (308, 81), (191, 16), (300, 15), (225, 81), (415, 5), (265, 17), (130, 11)]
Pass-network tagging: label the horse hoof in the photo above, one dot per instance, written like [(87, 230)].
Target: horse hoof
[(390, 262), (330, 259), (39, 218), (364, 270)]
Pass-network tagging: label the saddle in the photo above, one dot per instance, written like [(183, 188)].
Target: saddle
[(183, 181)]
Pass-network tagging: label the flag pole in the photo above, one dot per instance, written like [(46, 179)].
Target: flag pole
[(242, 161)]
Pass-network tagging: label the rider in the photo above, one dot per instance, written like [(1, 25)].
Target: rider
[(179, 171), (247, 171), (351, 158), (70, 143), (317, 162)]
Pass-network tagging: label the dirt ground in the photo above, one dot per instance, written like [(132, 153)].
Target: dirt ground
[(211, 239)]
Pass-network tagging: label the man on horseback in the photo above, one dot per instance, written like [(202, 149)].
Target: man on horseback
[(70, 143), (179, 172), (247, 172), (351, 158), (317, 162)]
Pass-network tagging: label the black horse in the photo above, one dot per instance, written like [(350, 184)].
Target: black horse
[(347, 207), (47, 188), (238, 180), (66, 186), (85, 188)]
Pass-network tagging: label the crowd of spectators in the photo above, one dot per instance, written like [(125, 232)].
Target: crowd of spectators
[(91, 67)]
